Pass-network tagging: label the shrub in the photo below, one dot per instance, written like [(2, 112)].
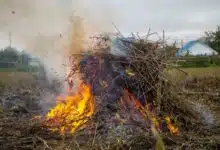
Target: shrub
[(200, 61)]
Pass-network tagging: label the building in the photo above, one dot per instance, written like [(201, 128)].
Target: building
[(195, 48)]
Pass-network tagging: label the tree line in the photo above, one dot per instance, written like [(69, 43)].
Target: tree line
[(10, 54), (212, 38), (11, 58)]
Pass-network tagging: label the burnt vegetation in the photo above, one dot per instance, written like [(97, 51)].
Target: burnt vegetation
[(133, 94)]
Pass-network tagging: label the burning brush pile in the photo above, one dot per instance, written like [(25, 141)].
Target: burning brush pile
[(116, 98), (116, 93)]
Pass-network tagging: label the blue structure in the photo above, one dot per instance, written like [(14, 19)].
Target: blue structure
[(185, 48), (195, 47)]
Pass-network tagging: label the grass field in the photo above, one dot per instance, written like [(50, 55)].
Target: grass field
[(16, 78), (178, 75), (213, 71), (7, 76)]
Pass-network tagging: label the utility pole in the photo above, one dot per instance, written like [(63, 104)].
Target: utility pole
[(164, 49), (163, 39), (182, 44), (9, 39)]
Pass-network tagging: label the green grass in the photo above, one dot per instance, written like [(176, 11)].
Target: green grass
[(199, 61)]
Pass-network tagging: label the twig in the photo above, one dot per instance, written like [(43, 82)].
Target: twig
[(148, 33), (117, 29), (180, 70), (77, 144), (95, 133), (205, 93), (45, 143)]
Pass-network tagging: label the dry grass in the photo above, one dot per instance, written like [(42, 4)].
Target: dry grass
[(28, 134), (177, 76), (23, 133), (201, 72), (15, 77)]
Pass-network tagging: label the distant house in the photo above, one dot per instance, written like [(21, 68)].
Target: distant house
[(194, 48)]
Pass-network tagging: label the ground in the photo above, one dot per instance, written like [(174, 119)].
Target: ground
[(201, 85)]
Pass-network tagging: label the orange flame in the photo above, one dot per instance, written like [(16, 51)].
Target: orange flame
[(145, 111), (71, 112), (174, 130)]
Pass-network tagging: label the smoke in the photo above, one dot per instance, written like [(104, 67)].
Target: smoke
[(52, 30), (47, 29), (98, 15), (205, 114), (38, 25)]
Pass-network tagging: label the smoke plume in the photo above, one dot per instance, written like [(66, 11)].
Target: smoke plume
[(52, 30), (49, 29)]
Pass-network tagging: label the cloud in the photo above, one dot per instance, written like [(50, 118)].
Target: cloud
[(171, 15), (51, 17)]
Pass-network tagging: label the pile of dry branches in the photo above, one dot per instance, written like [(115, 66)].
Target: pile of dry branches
[(117, 124), (139, 71)]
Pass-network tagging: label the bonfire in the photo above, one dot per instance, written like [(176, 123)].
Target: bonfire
[(129, 82), (115, 100)]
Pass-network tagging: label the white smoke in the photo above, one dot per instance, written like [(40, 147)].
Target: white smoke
[(45, 28)]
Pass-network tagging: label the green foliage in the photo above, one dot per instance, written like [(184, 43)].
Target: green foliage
[(9, 55), (13, 60), (200, 61), (212, 38)]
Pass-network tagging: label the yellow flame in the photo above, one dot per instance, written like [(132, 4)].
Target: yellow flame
[(174, 130), (72, 112)]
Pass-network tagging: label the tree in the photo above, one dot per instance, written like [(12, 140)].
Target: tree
[(12, 58), (9, 55), (212, 38)]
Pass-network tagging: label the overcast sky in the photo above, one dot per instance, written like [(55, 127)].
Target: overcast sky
[(181, 19)]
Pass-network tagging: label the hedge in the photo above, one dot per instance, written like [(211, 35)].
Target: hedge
[(199, 61)]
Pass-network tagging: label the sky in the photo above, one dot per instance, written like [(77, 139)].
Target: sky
[(45, 28), (181, 19)]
